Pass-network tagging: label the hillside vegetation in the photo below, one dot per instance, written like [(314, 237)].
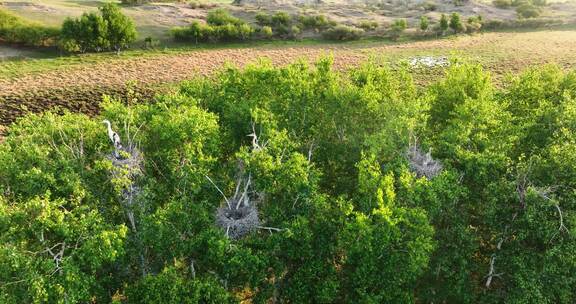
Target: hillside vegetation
[(299, 184)]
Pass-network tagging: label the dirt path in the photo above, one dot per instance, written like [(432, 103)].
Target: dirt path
[(514, 49)]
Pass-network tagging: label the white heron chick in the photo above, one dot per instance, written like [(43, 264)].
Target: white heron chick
[(114, 137)]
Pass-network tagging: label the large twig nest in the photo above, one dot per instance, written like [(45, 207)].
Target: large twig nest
[(129, 159), (422, 163), (237, 222)]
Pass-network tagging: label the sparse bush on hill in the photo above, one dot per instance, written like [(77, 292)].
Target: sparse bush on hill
[(17, 30), (456, 24), (368, 25), (527, 10), (429, 6), (444, 23), (397, 28), (222, 17), (474, 24), (424, 23), (281, 19), (540, 2), (319, 22), (263, 19), (343, 33), (502, 3), (520, 23), (201, 4), (267, 32)]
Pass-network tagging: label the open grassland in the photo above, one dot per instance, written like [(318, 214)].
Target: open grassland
[(78, 82)]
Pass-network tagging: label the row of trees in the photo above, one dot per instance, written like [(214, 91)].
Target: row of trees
[(107, 29), (352, 187), (222, 27)]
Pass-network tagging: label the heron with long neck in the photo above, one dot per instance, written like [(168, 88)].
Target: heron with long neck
[(114, 137)]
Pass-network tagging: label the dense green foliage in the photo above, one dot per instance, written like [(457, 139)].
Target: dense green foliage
[(345, 216), (108, 29), (220, 27), (16, 30)]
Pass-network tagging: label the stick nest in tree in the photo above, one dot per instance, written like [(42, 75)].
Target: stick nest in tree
[(238, 222), (127, 164), (239, 215), (129, 159), (422, 163)]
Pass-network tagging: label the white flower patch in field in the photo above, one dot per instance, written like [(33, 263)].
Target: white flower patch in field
[(429, 61)]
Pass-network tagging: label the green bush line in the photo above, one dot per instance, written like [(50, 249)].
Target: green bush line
[(16, 30)]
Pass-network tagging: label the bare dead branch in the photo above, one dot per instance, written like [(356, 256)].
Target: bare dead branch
[(220, 191), (270, 228)]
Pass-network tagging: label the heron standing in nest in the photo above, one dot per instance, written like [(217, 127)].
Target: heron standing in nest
[(114, 138)]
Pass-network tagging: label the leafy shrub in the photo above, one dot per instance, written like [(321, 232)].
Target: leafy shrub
[(444, 23), (398, 26), (222, 17), (87, 33), (343, 33), (263, 19), (267, 32), (474, 24), (424, 24), (528, 11), (295, 31), (502, 3), (315, 21), (281, 19), (121, 30), (14, 29), (368, 25), (456, 24), (97, 32)]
